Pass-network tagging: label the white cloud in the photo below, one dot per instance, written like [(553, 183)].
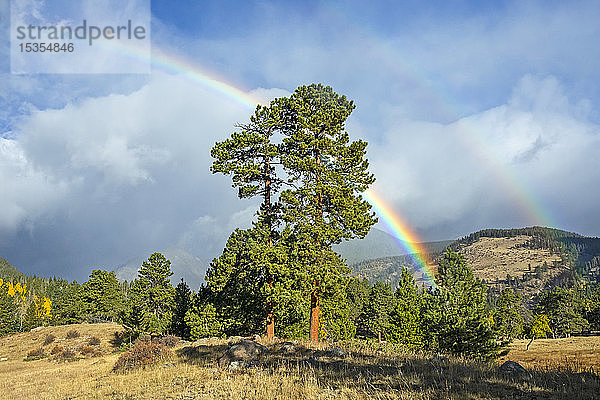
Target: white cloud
[(130, 172), (501, 166)]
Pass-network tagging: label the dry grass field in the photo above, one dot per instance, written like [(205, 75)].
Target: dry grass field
[(575, 353), (364, 371)]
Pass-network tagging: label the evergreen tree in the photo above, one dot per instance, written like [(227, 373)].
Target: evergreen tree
[(564, 310), (203, 322), (327, 173), (507, 315), (183, 302), (242, 291), (405, 318), (202, 318), (377, 310), (9, 320), (68, 305), (357, 293), (250, 157), (101, 296), (336, 322), (152, 296), (593, 311), (456, 315)]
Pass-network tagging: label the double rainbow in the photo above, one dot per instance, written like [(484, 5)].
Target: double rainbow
[(405, 236)]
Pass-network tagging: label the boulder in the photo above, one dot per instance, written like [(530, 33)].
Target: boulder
[(335, 352), (513, 368), (244, 352), (287, 348)]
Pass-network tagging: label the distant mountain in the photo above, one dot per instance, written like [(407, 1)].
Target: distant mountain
[(389, 269), (7, 271), (183, 264), (378, 244)]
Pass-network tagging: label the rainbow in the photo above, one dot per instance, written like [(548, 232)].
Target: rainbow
[(389, 53), (178, 65), (529, 205), (403, 234)]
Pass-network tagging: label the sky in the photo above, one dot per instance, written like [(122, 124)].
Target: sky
[(478, 115)]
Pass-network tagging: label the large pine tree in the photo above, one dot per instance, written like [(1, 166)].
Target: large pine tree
[(327, 172)]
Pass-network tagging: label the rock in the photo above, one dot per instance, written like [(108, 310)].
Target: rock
[(287, 348), (235, 365), (440, 358), (513, 368), (168, 365), (235, 339), (335, 352), (39, 328), (203, 341), (245, 351)]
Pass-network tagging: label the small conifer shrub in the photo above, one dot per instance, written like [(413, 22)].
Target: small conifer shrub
[(67, 354), (87, 350), (94, 341), (49, 339), (35, 354), (72, 334)]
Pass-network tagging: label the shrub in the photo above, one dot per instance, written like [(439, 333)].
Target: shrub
[(87, 350), (67, 354), (94, 341), (168, 340), (143, 353), (124, 340), (57, 349), (35, 353), (49, 339), (72, 334)]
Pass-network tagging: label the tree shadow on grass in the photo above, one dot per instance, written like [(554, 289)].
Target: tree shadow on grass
[(408, 373)]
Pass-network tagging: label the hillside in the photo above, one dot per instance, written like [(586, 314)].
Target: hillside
[(530, 259), (389, 269), (527, 259), (7, 271)]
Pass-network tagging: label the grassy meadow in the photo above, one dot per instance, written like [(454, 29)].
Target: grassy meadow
[(364, 371)]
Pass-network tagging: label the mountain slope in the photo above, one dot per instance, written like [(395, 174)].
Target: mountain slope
[(7, 271), (527, 259), (389, 269)]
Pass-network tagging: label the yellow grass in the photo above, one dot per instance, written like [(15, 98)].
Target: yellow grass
[(367, 371), (575, 353)]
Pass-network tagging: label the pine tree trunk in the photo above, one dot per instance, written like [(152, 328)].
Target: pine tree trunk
[(267, 204), (379, 336), (270, 316), (314, 316)]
